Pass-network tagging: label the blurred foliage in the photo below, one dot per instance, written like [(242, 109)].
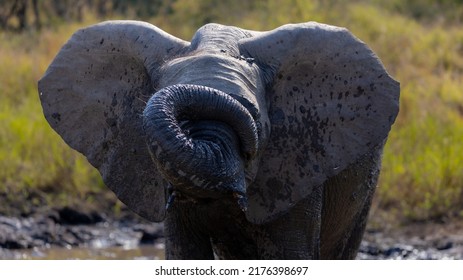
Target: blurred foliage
[(419, 41), (19, 15)]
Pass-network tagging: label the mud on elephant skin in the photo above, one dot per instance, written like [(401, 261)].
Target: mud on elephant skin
[(250, 145)]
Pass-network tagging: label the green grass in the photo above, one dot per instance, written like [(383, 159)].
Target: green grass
[(422, 175)]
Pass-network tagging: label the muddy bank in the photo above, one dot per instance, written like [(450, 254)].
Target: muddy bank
[(418, 241), (69, 233), (72, 233)]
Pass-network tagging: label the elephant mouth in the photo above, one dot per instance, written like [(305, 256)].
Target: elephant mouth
[(201, 140)]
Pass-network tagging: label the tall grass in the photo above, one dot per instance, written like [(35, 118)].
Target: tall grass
[(422, 175)]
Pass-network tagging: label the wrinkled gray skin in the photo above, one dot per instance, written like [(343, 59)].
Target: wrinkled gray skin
[(249, 145)]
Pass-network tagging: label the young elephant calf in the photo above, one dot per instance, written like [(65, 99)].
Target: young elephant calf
[(249, 145)]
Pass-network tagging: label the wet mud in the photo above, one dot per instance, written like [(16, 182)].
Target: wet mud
[(71, 234), (419, 241), (68, 233)]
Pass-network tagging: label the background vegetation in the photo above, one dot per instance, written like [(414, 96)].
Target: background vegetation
[(419, 41)]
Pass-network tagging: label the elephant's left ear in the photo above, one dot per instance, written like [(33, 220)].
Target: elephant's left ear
[(331, 101), (93, 95)]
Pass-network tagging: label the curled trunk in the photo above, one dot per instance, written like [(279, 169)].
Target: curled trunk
[(200, 139)]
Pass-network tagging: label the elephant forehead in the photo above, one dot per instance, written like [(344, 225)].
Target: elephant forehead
[(217, 37), (235, 76)]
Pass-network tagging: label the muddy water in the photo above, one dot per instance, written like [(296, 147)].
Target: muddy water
[(147, 252), (47, 237), (144, 252), (367, 251)]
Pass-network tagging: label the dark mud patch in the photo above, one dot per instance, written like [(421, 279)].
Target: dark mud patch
[(415, 241), (68, 233), (75, 233)]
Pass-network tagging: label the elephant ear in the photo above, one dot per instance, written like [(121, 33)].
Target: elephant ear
[(330, 102), (93, 94)]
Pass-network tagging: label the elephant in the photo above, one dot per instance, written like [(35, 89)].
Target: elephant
[(246, 144)]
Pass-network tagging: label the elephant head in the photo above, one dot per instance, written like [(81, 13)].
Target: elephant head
[(263, 117)]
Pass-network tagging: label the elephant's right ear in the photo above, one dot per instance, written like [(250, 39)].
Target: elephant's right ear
[(93, 94), (330, 102)]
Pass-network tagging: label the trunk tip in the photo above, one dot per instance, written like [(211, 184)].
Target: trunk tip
[(242, 201)]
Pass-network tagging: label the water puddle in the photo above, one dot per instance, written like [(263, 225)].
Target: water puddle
[(143, 252)]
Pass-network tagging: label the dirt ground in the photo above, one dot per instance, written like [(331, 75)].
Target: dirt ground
[(39, 228), (424, 240)]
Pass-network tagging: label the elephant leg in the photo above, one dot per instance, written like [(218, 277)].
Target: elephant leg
[(295, 235), (184, 240), (346, 203), (356, 234)]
